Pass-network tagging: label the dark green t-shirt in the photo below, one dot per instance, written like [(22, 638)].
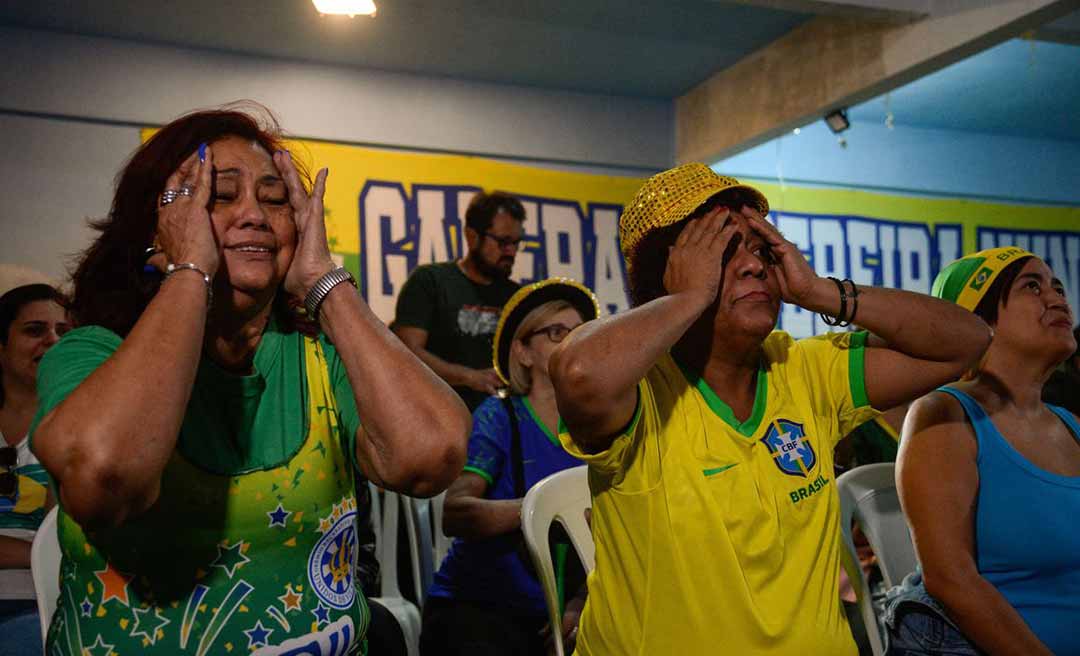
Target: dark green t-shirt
[(458, 314)]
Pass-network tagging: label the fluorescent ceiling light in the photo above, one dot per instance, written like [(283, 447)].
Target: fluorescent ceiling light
[(348, 8)]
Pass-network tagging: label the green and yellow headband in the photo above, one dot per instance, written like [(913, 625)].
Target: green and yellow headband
[(967, 280)]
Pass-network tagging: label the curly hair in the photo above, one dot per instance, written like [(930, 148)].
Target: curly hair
[(110, 287), (649, 259)]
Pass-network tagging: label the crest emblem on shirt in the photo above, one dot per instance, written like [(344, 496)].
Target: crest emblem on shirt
[(790, 448), (330, 565)]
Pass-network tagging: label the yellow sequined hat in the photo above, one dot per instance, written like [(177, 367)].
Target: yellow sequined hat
[(527, 299), (671, 196)]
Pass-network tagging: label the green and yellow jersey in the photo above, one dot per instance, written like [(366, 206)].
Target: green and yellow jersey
[(715, 535), (250, 547)]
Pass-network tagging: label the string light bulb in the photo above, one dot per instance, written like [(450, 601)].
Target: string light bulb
[(348, 8)]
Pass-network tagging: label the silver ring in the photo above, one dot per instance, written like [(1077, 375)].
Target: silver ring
[(170, 195)]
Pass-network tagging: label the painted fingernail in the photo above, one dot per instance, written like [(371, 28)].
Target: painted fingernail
[(202, 152)]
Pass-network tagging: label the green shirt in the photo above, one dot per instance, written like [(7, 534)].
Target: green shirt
[(250, 544), (458, 314)]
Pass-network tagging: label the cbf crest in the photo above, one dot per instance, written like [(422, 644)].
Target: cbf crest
[(330, 565), (790, 448)]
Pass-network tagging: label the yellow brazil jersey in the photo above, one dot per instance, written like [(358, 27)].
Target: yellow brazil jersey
[(715, 536)]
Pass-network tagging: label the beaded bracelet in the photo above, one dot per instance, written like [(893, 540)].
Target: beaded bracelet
[(842, 318)]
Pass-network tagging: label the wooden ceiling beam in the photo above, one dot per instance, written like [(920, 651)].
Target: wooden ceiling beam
[(834, 62)]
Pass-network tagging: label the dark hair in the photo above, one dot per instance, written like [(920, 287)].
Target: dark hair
[(110, 287), (483, 208), (998, 293), (649, 259), (15, 300)]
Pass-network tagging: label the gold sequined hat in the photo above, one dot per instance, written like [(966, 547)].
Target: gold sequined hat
[(671, 196)]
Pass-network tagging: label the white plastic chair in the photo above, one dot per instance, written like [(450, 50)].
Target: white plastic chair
[(561, 497), (404, 611), (441, 540), (45, 568), (868, 495), (421, 551), (376, 517)]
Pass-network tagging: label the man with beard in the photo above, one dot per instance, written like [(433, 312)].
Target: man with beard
[(447, 311)]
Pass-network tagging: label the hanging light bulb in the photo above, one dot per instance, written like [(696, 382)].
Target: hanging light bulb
[(889, 123), (348, 8)]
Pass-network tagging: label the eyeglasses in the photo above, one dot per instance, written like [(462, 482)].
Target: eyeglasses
[(9, 481), (503, 242), (556, 332)]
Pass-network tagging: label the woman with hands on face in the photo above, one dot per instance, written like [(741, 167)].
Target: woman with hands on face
[(203, 448), (710, 436)]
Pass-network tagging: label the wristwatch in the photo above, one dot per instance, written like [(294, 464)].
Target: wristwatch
[(322, 287)]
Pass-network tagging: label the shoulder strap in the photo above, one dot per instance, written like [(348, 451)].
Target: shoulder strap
[(971, 407), (1068, 418), (515, 449)]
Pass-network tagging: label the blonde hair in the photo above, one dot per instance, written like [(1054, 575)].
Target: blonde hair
[(521, 376)]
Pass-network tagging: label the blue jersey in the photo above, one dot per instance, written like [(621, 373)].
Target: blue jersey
[(490, 570)]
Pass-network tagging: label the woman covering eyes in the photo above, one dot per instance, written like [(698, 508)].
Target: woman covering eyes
[(989, 478), (485, 599), (710, 437), (202, 447)]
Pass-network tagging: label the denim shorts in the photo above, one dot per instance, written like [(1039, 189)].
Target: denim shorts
[(917, 625), (918, 631)]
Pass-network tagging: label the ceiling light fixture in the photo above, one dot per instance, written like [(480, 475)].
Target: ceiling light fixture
[(837, 121), (348, 8)]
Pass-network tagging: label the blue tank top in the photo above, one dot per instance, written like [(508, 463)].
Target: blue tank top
[(1027, 539)]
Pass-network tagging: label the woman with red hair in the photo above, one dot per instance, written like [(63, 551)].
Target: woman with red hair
[(203, 448)]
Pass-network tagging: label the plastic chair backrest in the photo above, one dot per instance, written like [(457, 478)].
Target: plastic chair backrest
[(388, 570), (868, 496), (45, 568), (421, 551), (441, 540), (385, 515), (561, 497), (376, 517), (875, 505)]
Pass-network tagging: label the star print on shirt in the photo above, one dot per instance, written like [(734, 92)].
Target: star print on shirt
[(148, 621), (99, 648), (322, 615), (278, 516), (258, 635), (114, 584), (86, 607), (230, 558), (291, 599)]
